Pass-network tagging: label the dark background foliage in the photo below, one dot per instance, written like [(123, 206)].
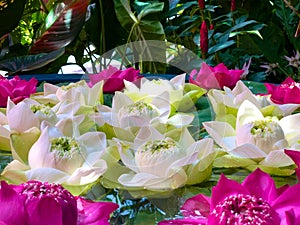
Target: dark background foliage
[(39, 36)]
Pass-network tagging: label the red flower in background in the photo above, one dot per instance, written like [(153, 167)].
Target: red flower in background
[(204, 39), (232, 5), (216, 77), (287, 92), (201, 4), (16, 89), (114, 78)]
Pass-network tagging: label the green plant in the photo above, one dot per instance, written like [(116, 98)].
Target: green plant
[(263, 33)]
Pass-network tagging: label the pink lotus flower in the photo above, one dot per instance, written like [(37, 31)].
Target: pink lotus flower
[(287, 92), (216, 77), (16, 89), (38, 203), (295, 156), (114, 78), (255, 201)]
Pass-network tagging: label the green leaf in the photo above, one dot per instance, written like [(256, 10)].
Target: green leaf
[(220, 46), (30, 62), (152, 8), (256, 87), (124, 14), (62, 25), (10, 15), (241, 25)]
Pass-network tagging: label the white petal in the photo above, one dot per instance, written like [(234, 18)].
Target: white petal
[(219, 131), (178, 81), (288, 109), (247, 113), (85, 175), (277, 158), (93, 141), (146, 134), (50, 89), (119, 101), (128, 157), (50, 175), (204, 147), (39, 154), (20, 118), (181, 119), (290, 125), (150, 181), (247, 151)]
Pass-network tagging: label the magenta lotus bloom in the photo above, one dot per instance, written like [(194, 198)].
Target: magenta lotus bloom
[(37, 203), (255, 201), (216, 77), (114, 78), (295, 156), (16, 89), (287, 92)]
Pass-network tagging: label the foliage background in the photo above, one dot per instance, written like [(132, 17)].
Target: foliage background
[(38, 36)]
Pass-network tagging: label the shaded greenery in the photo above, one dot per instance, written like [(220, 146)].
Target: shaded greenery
[(261, 31)]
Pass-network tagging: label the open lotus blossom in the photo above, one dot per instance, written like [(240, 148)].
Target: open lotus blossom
[(74, 161), (182, 95), (73, 92), (286, 92), (114, 78), (295, 156), (24, 120), (216, 77), (126, 116), (46, 203), (226, 103), (255, 201), (160, 162), (255, 140), (16, 89)]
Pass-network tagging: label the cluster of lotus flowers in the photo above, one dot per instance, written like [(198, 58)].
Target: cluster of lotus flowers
[(67, 138)]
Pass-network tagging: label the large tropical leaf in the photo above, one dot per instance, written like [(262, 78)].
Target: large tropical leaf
[(10, 14), (29, 62), (63, 22), (143, 26)]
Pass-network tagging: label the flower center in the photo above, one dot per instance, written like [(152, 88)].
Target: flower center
[(156, 156), (70, 86), (264, 128), (41, 108), (157, 146), (65, 146), (265, 134), (140, 108), (36, 189), (44, 112), (244, 209)]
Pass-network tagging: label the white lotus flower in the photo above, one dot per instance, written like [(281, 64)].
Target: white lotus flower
[(227, 102), (73, 92), (256, 140), (165, 162), (182, 95), (126, 114), (69, 160)]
